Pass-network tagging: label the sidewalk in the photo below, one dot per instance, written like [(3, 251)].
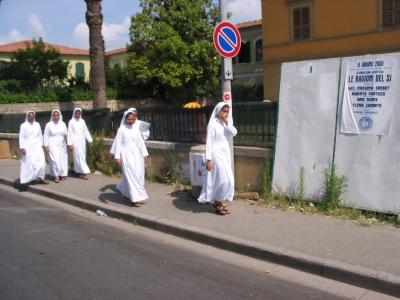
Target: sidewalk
[(367, 257)]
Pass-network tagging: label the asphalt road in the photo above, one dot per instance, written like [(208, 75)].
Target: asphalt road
[(48, 251)]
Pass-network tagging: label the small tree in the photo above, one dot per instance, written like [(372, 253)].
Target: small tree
[(171, 48), (36, 66)]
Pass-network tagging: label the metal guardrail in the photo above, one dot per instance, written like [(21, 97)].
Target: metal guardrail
[(255, 122)]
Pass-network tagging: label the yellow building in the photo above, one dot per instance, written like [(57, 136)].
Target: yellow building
[(79, 61), (295, 30)]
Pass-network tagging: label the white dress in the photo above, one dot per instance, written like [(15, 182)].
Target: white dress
[(77, 133), (130, 149), (58, 156), (33, 163), (219, 184)]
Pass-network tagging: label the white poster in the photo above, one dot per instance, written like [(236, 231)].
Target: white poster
[(198, 171), (368, 96)]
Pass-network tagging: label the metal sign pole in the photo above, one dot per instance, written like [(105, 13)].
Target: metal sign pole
[(226, 79)]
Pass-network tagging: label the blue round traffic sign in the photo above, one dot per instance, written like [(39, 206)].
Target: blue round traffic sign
[(227, 39)]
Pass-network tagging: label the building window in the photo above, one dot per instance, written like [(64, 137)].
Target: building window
[(258, 46), (244, 55), (80, 69), (3, 64), (391, 13), (301, 23)]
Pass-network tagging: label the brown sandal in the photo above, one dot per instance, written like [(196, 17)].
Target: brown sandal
[(219, 209), (85, 177), (135, 204), (44, 181)]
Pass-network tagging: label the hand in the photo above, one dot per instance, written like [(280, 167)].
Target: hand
[(23, 151), (118, 161), (71, 148), (91, 144), (146, 159), (47, 149), (209, 165)]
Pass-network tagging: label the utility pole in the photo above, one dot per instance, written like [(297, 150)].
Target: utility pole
[(225, 82)]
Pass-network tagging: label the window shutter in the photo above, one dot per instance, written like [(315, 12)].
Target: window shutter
[(80, 69), (247, 52)]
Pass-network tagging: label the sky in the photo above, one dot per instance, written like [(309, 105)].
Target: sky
[(62, 22)]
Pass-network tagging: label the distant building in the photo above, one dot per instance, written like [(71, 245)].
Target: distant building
[(78, 58), (248, 64), (295, 30)]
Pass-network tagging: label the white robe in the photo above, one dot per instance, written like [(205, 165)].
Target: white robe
[(145, 135), (219, 184), (77, 133), (58, 156), (131, 149), (33, 163)]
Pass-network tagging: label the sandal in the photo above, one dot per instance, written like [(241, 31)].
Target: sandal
[(85, 177), (219, 209), (44, 181), (57, 179), (135, 204), (76, 174)]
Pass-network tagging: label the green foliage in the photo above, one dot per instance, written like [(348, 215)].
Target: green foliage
[(265, 179), (247, 93), (94, 154), (301, 191), (34, 67), (172, 49), (334, 187), (171, 175)]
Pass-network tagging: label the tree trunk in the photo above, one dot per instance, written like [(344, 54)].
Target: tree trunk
[(94, 20)]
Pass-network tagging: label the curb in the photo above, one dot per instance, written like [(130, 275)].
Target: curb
[(358, 276)]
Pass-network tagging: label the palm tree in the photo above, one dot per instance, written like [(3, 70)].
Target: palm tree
[(94, 20)]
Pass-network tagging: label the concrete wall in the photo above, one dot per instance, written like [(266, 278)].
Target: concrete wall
[(310, 112), (248, 160)]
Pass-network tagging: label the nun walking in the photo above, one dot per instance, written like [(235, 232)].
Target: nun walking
[(219, 185), (55, 144), (77, 133), (30, 143), (136, 123), (131, 154)]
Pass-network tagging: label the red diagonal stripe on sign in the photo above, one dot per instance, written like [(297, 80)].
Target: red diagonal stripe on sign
[(227, 38)]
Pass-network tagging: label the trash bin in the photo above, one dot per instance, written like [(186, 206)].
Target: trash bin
[(198, 171)]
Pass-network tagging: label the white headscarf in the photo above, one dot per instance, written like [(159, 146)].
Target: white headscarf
[(51, 116), (123, 121), (73, 114), (26, 117), (217, 110)]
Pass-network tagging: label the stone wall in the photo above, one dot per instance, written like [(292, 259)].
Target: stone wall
[(248, 160), (22, 108)]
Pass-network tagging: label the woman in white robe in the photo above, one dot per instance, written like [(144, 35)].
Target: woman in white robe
[(136, 123), (55, 144), (131, 154), (219, 185), (77, 133), (32, 156)]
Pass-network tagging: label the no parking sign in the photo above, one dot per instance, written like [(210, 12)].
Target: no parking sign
[(227, 39)]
